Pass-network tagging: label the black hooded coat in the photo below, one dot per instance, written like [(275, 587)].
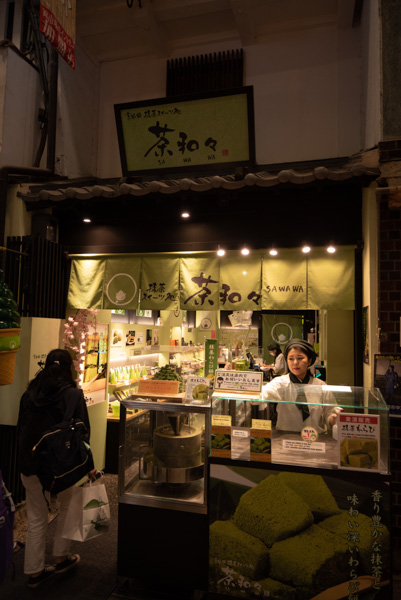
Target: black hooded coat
[(39, 411)]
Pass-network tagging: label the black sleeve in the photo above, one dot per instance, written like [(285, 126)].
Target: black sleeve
[(83, 412)]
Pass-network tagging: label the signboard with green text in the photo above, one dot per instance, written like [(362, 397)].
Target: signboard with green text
[(187, 132), (211, 352)]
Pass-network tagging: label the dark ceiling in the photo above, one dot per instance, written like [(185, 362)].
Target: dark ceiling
[(285, 215)]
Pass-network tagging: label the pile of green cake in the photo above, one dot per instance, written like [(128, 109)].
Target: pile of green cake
[(168, 373), (288, 540)]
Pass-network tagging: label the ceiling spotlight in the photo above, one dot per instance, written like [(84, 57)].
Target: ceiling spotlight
[(273, 251), (306, 249), (185, 214), (245, 251), (87, 220), (331, 249), (220, 251)]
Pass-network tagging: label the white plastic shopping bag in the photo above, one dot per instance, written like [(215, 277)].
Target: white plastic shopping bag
[(88, 514)]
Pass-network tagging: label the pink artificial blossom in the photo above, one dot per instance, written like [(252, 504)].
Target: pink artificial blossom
[(75, 330)]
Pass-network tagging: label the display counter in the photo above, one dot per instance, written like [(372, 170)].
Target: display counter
[(290, 514), (305, 425)]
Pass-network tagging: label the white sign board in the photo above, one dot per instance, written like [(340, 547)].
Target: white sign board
[(238, 381)]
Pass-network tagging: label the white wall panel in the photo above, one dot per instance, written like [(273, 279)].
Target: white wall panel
[(22, 99), (306, 87)]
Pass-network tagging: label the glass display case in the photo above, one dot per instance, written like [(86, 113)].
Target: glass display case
[(162, 459), (333, 427)]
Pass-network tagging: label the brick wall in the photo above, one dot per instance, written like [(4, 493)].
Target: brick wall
[(389, 322)]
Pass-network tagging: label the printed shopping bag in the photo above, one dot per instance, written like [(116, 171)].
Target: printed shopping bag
[(88, 514)]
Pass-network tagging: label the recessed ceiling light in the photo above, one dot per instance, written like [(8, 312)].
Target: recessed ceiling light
[(245, 251), (87, 220), (185, 214), (306, 249), (331, 249), (220, 251)]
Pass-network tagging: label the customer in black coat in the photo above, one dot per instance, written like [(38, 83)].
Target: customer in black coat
[(43, 405)]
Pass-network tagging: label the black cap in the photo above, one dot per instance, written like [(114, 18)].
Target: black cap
[(303, 345)]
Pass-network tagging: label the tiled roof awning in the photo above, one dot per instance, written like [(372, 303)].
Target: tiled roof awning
[(56, 192)]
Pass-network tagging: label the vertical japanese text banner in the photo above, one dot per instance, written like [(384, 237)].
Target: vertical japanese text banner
[(58, 23), (199, 283), (211, 352), (86, 283), (121, 283), (240, 282), (159, 282), (284, 282)]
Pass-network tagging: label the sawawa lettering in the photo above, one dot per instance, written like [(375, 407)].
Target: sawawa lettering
[(285, 288)]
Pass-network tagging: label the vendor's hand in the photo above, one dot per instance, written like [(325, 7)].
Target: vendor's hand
[(333, 417), (92, 475)]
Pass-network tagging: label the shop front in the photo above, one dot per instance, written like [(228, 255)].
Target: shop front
[(160, 310), (164, 306)]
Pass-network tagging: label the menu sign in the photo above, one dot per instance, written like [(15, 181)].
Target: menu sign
[(197, 391), (359, 441), (229, 441)]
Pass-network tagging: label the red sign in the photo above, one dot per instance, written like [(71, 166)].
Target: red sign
[(54, 30)]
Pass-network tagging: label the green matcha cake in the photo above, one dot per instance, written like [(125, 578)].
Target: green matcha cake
[(314, 490), (245, 552), (360, 454), (359, 461), (314, 559), (343, 525), (272, 511)]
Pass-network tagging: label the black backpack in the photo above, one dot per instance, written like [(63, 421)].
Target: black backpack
[(61, 454)]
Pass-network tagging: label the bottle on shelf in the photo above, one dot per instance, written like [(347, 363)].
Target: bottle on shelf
[(113, 376)]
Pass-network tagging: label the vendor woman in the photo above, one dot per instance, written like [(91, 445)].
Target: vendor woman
[(279, 366), (299, 386)]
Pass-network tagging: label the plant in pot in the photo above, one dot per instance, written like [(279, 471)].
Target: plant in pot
[(10, 321)]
